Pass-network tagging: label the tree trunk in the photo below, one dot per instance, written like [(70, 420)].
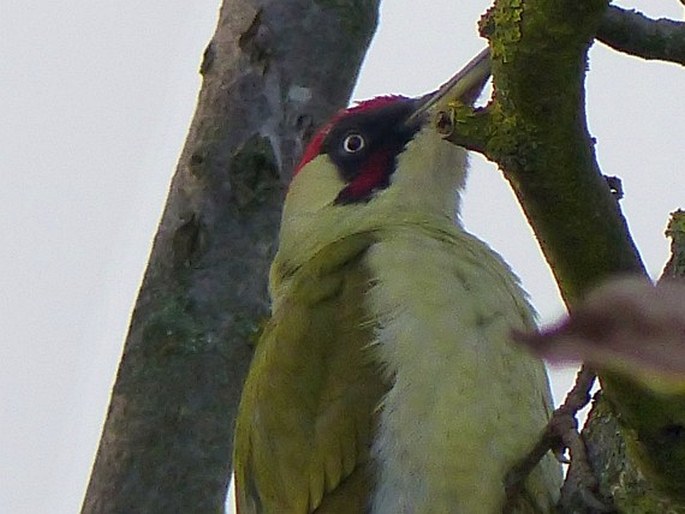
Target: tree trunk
[(620, 482), (272, 72)]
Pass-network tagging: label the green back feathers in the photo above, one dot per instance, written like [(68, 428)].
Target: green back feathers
[(314, 381)]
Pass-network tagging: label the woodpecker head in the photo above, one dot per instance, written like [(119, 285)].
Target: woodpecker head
[(382, 161)]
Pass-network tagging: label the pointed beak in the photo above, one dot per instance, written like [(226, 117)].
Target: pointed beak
[(463, 87)]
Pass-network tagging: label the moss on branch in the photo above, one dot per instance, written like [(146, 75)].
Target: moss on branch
[(535, 129)]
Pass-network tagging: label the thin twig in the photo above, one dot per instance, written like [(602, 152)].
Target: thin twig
[(634, 33), (560, 433)]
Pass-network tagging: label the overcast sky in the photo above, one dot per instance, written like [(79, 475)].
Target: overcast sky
[(96, 99)]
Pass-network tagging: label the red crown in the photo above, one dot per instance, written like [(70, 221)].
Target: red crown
[(314, 147)]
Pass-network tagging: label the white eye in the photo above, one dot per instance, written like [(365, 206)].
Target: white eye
[(353, 143)]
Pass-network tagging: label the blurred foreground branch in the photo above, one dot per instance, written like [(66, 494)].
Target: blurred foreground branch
[(535, 129)]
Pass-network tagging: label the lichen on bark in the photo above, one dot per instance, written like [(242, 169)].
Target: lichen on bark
[(535, 129), (271, 73)]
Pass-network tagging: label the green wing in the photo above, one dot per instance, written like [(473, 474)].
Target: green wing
[(308, 410)]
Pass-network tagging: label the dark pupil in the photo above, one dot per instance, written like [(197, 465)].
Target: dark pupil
[(353, 143)]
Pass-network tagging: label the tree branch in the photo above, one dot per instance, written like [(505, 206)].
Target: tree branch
[(609, 448), (272, 72), (561, 433), (634, 33), (675, 267), (535, 129)]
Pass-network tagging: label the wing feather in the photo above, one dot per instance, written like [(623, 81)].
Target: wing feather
[(308, 410)]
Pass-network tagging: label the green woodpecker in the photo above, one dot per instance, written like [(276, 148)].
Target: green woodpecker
[(385, 381)]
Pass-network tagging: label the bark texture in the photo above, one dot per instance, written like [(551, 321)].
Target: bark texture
[(636, 34), (272, 72), (621, 483), (535, 129), (675, 267)]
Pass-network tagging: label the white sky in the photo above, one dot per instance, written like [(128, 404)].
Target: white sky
[(96, 97)]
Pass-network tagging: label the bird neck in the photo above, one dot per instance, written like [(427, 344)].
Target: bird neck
[(424, 190)]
